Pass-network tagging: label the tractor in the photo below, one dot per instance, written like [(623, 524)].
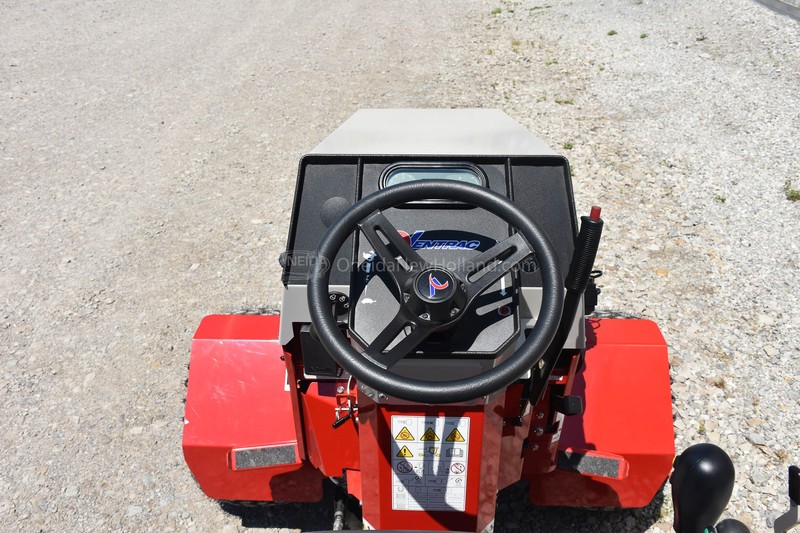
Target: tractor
[(434, 343)]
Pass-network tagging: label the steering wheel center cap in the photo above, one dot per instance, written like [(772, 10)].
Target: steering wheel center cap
[(435, 285)]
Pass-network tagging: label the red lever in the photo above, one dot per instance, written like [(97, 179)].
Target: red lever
[(594, 215)]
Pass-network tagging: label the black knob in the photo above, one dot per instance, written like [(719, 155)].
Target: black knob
[(702, 483), (569, 405), (729, 525)]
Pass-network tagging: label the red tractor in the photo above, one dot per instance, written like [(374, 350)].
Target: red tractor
[(432, 347)]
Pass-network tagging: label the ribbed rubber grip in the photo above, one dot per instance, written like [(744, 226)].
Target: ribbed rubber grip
[(585, 252)]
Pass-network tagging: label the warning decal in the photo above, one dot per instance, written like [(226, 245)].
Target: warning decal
[(429, 474), (454, 436), (405, 452), (404, 434), (430, 434)]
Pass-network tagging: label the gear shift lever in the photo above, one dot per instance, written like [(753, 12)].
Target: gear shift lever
[(702, 483)]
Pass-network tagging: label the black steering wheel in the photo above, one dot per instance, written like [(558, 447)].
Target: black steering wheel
[(433, 297)]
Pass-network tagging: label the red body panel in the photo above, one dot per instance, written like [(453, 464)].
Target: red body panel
[(239, 399), (628, 412), (482, 467), (331, 450), (513, 438), (244, 394)]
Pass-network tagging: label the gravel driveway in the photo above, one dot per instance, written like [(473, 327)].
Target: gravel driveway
[(148, 153)]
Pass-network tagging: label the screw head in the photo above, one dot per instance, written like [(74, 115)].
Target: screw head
[(339, 389)]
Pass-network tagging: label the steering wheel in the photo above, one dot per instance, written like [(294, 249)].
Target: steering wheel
[(433, 297)]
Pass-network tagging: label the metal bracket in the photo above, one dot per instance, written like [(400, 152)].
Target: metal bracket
[(348, 403)]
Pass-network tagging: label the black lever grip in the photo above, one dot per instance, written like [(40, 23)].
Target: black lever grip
[(794, 484), (702, 483)]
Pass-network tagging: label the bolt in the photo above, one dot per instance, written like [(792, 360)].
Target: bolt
[(425, 316), (339, 389), (454, 311), (342, 298), (538, 432), (406, 296), (539, 415), (535, 447), (332, 297), (541, 364)]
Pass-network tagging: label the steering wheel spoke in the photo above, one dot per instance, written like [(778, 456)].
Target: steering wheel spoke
[(400, 265), (493, 264), (419, 332)]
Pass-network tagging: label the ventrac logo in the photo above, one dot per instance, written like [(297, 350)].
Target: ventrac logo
[(418, 241), (436, 285)]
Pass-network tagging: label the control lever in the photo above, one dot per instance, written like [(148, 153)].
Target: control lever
[(702, 483), (580, 271)]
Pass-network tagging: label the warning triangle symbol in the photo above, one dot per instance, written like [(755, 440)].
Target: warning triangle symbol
[(455, 436), (405, 452), (430, 434), (404, 434)]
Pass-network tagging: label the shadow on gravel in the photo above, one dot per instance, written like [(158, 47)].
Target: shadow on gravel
[(306, 516), (514, 514)]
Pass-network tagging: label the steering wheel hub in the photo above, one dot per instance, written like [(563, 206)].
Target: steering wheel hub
[(436, 285), (438, 296)]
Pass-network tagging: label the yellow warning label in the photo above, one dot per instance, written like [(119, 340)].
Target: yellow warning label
[(404, 434), (455, 436), (430, 434), (405, 452)]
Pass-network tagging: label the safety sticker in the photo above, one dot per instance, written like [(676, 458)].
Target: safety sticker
[(429, 474), (405, 452), (430, 434), (454, 436), (404, 434)]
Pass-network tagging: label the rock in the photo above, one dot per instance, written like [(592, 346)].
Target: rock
[(770, 519), (771, 351), (765, 320), (133, 510)]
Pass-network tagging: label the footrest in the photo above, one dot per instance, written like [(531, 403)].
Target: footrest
[(593, 463)]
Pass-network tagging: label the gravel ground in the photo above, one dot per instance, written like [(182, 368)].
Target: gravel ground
[(147, 159)]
